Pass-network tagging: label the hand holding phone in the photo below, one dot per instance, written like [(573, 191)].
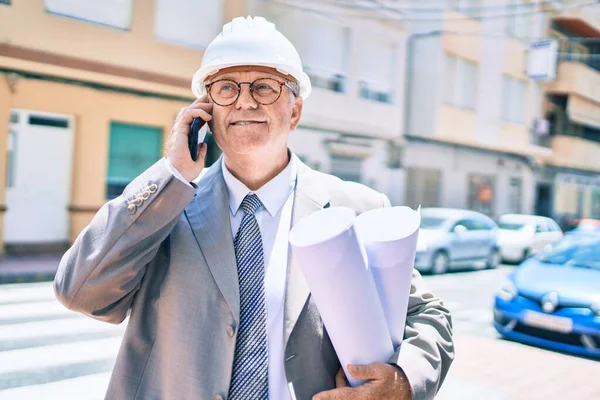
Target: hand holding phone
[(183, 149)]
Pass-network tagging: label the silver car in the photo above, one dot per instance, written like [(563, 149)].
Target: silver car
[(453, 238)]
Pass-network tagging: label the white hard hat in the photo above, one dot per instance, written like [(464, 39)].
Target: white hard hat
[(251, 41)]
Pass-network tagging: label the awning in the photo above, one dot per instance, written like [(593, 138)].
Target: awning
[(583, 111)]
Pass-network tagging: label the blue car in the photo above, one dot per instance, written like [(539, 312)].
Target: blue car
[(552, 300)]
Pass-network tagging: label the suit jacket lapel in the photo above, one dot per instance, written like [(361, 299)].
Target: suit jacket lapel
[(309, 197), (208, 215)]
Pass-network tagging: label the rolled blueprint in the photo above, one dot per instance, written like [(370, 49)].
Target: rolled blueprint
[(334, 264), (389, 236)]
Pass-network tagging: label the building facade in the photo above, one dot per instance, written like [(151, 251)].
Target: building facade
[(570, 180), (352, 122), (471, 108), (88, 93), (88, 97)]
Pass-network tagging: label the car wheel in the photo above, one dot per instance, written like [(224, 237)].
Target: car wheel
[(493, 259), (439, 262)]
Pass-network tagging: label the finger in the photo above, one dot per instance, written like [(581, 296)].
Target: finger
[(345, 393), (187, 116), (340, 379), (202, 100), (202, 148), (367, 372)]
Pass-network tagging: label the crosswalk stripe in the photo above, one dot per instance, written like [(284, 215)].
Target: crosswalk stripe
[(57, 355), (36, 329), (41, 333), (89, 387), (39, 310), (49, 363), (49, 352), (28, 294)]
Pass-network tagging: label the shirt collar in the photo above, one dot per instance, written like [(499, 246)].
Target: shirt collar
[(272, 194)]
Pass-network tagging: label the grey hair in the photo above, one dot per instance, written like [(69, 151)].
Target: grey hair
[(294, 87)]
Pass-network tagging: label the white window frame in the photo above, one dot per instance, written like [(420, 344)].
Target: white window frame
[(112, 13), (456, 91), (170, 25), (519, 19), (514, 99)]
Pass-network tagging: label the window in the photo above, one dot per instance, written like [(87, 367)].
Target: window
[(422, 187), (519, 18), (514, 195), (595, 203), (460, 82), (566, 199), (347, 168), (375, 68), (481, 194), (514, 99), (323, 45), (132, 149), (7, 2), (480, 225), (540, 227), (470, 224), (188, 23), (113, 13), (552, 225)]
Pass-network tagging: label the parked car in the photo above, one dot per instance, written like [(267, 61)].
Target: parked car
[(453, 238), (552, 300), (520, 235)]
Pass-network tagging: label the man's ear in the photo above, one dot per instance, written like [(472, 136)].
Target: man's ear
[(296, 113)]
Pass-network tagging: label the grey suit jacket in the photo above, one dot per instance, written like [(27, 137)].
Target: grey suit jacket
[(168, 263)]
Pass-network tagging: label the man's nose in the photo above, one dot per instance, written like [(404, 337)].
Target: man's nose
[(245, 100)]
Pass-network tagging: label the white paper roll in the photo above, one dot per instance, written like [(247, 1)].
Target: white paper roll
[(334, 265), (389, 236)]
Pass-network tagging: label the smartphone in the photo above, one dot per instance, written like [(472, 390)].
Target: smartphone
[(196, 136)]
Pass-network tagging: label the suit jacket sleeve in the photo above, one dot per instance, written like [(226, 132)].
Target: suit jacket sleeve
[(427, 350), (102, 271)]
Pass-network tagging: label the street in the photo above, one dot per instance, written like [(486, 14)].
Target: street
[(48, 352)]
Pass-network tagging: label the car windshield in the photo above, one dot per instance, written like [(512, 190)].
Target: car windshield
[(432, 222), (580, 252), (511, 226)]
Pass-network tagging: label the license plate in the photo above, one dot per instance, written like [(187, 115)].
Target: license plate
[(550, 322)]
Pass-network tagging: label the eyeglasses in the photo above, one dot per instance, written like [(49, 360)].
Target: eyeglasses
[(265, 91)]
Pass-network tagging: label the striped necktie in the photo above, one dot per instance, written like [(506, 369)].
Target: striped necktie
[(249, 378)]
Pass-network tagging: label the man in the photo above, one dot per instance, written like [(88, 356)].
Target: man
[(199, 259)]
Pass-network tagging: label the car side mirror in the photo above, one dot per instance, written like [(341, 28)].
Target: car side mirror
[(458, 229)]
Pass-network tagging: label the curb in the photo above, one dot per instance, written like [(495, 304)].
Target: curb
[(27, 278)]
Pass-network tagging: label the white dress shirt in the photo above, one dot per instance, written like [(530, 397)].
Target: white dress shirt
[(274, 220)]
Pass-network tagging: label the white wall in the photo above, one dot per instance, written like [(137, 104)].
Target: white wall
[(310, 145), (456, 164), (347, 112)]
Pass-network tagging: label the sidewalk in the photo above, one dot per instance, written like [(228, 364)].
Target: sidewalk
[(494, 369), (28, 268)]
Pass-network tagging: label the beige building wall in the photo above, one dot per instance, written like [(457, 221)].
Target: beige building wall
[(93, 111), (139, 80)]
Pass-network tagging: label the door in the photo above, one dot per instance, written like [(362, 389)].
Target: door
[(540, 237), (39, 184), (543, 198), (463, 242)]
